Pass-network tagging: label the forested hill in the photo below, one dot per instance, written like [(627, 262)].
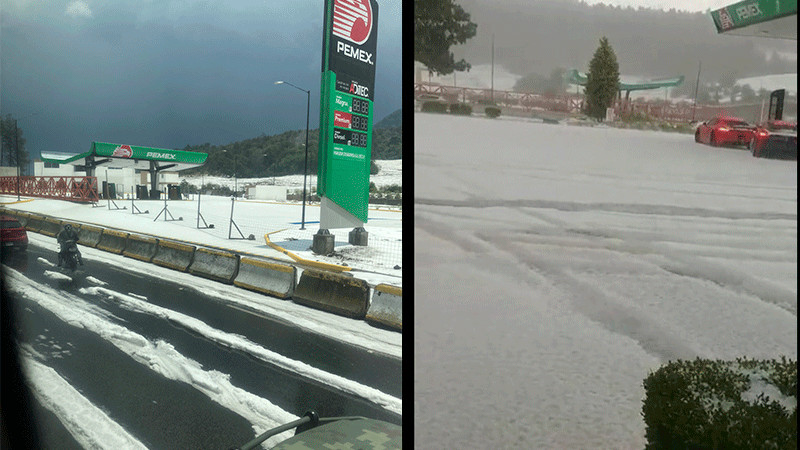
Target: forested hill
[(282, 154), (393, 120)]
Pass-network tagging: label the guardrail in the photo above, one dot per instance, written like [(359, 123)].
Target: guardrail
[(322, 289), (77, 189)]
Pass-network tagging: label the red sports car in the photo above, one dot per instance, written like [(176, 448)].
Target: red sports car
[(724, 131), (12, 234), (775, 139)]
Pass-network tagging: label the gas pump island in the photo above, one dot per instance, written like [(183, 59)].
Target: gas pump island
[(349, 47)]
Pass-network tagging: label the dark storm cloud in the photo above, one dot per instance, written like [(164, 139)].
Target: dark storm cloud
[(170, 73)]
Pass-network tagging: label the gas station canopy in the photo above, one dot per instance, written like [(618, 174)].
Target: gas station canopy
[(575, 77), (762, 18), (118, 156)]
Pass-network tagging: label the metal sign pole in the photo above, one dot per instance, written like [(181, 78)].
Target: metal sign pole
[(198, 209)]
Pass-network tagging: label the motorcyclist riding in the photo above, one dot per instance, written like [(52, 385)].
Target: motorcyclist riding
[(66, 238)]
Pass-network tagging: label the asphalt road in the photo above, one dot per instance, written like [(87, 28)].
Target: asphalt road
[(165, 413)]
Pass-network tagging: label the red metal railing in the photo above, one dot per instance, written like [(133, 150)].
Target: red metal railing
[(524, 103), (76, 189)]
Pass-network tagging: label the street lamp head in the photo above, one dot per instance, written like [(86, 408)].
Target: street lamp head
[(279, 82)]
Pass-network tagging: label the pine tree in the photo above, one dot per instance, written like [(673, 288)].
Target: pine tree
[(602, 82)]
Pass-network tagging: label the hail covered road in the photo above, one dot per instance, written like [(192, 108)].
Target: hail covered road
[(133, 355)]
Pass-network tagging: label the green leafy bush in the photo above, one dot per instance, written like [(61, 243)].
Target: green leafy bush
[(492, 112), (437, 107), (714, 404), (461, 109)]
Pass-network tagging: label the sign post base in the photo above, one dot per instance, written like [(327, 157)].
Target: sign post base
[(333, 216)]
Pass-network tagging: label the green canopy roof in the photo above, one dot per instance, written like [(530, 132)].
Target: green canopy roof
[(765, 18), (120, 156), (575, 77)]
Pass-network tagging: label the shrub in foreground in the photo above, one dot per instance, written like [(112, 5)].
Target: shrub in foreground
[(738, 404)]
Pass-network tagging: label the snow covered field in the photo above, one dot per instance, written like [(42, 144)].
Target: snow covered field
[(391, 172), (556, 266)]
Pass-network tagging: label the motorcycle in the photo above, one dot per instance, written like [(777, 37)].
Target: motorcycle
[(70, 256)]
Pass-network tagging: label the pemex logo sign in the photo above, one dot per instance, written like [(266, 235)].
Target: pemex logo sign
[(352, 20), (725, 19), (123, 151)]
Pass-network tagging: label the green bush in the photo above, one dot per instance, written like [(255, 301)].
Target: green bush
[(461, 109), (437, 107), (492, 111), (699, 404)]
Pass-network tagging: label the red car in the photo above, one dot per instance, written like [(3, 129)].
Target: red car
[(724, 131), (12, 234), (775, 139)]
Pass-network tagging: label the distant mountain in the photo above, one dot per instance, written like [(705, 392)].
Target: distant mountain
[(394, 119)]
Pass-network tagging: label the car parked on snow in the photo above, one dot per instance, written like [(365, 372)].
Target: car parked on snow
[(775, 139), (724, 131), (12, 234)]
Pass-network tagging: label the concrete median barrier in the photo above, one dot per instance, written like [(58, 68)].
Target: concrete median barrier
[(270, 278), (50, 226), (214, 264), (386, 308), (113, 241), (333, 292), (34, 223), (89, 235), (141, 247), (174, 255)]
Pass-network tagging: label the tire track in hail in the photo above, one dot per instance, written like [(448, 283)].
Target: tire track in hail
[(602, 309), (664, 210), (682, 263)]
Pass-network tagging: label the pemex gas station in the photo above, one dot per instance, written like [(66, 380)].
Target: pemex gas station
[(147, 162), (349, 54)]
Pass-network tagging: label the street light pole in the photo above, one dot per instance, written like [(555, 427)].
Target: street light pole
[(235, 185), (305, 167)]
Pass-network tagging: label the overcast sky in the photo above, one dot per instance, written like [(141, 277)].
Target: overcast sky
[(168, 73)]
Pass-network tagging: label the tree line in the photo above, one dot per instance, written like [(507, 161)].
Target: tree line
[(283, 154), (11, 138)]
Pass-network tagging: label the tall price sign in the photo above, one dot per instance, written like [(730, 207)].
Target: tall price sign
[(349, 44)]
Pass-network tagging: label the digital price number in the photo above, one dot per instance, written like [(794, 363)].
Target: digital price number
[(359, 123), (358, 140), (351, 138), (360, 106)]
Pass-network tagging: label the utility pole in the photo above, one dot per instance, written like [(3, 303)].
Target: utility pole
[(696, 85), (492, 68)]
